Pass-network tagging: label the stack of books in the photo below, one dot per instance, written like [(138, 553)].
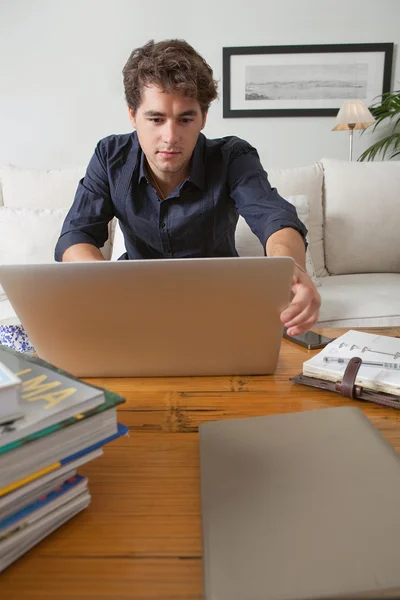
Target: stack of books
[(50, 424)]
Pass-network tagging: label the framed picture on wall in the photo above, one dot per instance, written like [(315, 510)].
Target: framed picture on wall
[(296, 81)]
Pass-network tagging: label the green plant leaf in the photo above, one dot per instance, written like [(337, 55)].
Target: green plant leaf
[(387, 108), (381, 147)]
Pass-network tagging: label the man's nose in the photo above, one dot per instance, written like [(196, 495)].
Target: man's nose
[(170, 133)]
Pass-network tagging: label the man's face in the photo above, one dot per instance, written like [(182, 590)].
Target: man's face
[(168, 126)]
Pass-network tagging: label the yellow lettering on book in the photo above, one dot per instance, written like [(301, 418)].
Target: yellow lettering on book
[(35, 389), (23, 372), (55, 397), (36, 386)]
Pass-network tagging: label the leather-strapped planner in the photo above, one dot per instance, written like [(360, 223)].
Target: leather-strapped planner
[(358, 365), (348, 388)]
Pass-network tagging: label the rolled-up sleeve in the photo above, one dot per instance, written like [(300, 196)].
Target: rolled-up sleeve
[(264, 210), (92, 209)]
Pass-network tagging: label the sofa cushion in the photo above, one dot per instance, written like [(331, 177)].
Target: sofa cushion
[(362, 216), (29, 235), (368, 299), (7, 313), (248, 244), (306, 181), (35, 188), (118, 242)]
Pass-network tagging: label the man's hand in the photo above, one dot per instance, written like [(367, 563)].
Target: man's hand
[(302, 312)]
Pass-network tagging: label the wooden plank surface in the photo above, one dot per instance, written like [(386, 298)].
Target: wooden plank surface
[(141, 535)]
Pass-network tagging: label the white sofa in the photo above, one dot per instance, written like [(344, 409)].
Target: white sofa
[(352, 209)]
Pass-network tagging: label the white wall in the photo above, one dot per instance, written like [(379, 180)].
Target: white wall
[(60, 69)]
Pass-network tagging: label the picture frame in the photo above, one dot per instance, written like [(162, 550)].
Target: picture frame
[(297, 81)]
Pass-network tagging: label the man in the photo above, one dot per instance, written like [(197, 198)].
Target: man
[(176, 193)]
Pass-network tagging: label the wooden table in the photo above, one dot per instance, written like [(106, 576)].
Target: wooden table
[(141, 536)]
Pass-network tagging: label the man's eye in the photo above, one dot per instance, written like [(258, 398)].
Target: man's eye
[(186, 120), (155, 120)]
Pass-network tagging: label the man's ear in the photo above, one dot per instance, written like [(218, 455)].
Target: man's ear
[(132, 116), (204, 119)]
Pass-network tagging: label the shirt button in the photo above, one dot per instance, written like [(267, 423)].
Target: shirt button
[(162, 225)]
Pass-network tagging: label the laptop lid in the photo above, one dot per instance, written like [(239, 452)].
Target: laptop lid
[(211, 316), (299, 506)]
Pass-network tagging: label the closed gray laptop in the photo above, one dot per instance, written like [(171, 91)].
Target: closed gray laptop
[(205, 316), (299, 506)]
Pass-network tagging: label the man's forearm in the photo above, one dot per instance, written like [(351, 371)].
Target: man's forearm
[(82, 252), (287, 242)]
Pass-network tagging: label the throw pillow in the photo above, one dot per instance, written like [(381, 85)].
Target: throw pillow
[(362, 213), (248, 244), (39, 188), (28, 236)]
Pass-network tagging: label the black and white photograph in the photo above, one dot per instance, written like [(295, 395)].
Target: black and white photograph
[(302, 80), (306, 82)]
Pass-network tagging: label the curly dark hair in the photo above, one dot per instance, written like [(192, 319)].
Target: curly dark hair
[(172, 65)]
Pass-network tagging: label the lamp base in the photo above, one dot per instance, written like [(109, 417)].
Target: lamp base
[(351, 129)]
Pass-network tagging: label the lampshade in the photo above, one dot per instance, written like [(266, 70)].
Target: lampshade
[(354, 114)]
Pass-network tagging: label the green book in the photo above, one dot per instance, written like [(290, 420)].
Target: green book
[(50, 399)]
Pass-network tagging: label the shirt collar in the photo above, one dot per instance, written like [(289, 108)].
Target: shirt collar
[(142, 167), (196, 174)]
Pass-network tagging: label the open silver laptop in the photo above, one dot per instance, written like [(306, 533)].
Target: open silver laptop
[(298, 507), (211, 316)]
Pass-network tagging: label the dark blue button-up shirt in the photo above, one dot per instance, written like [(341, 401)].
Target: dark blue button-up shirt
[(198, 219)]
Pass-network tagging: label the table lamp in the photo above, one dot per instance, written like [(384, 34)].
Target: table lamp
[(353, 114)]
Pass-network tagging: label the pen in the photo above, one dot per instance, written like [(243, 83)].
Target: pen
[(344, 361)]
